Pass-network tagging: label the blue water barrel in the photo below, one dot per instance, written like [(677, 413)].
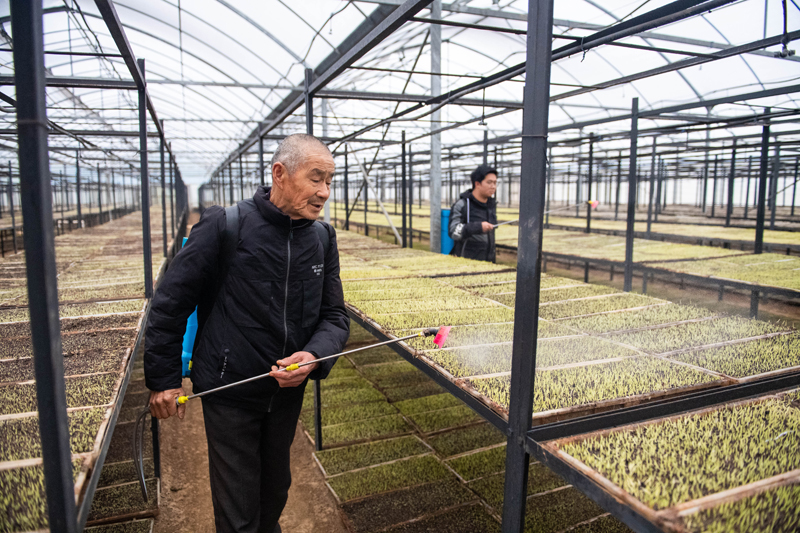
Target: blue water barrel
[(447, 242), (188, 337)]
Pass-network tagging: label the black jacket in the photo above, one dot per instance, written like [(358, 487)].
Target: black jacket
[(281, 295), (465, 228)]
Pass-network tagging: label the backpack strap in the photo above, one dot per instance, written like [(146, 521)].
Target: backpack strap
[(324, 236)]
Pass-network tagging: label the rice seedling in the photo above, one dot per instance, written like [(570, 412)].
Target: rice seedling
[(465, 439), (423, 305), (696, 334), (390, 284), (344, 397), (445, 418), (774, 511), (603, 524), (705, 454), (352, 413), (135, 526), (375, 356), (540, 479), (358, 298), (595, 305), (374, 273), (123, 306), (442, 316), (124, 472), (382, 427), (20, 438), (464, 362), (81, 391), (749, 358), (123, 500), (409, 392), (475, 280), (473, 517), (23, 504), (381, 511), (382, 478), (340, 460), (663, 314), (427, 403), (555, 389), (556, 511), (583, 291), (480, 464)]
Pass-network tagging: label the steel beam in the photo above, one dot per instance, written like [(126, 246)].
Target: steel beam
[(436, 138), (163, 195), (40, 264), (533, 180), (632, 184), (414, 98), (73, 82), (758, 247), (731, 178), (145, 186)]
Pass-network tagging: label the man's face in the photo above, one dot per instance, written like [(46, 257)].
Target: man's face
[(305, 192), (486, 188)]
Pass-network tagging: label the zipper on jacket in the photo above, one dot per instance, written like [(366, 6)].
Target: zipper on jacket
[(286, 289)]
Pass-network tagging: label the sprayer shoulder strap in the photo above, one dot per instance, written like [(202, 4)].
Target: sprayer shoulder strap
[(324, 236)]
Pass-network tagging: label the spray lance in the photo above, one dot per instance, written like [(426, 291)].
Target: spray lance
[(439, 337), (591, 203)]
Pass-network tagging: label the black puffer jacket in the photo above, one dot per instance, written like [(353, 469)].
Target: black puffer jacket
[(281, 295), (466, 218)]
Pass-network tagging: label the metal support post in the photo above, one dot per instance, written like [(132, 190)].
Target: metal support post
[(156, 434), (754, 295), (410, 196), (485, 147), (794, 184), (99, 197), (11, 208), (40, 263), (589, 193), (230, 182), (549, 191), (347, 194), (747, 192), (172, 193), (113, 191), (731, 177), (404, 191), (629, 229), (163, 193), (758, 246), (529, 264), (78, 185), (619, 185), (324, 112), (652, 188), (366, 207), (260, 158), (714, 188), (241, 179), (436, 138), (773, 193), (145, 198)]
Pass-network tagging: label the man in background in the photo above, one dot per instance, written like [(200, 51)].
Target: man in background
[(473, 216)]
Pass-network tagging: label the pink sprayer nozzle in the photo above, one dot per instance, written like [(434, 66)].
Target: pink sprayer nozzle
[(441, 337), (593, 204)]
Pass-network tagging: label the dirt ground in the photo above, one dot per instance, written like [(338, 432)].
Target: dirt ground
[(186, 495)]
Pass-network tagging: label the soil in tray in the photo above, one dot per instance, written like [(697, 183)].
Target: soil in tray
[(123, 306), (339, 460), (465, 439), (480, 464), (120, 447), (69, 325), (603, 524), (706, 453), (122, 500), (135, 526), (385, 426), (81, 392), (593, 383), (540, 479), (384, 510), (20, 437), (23, 504), (124, 472), (556, 511), (472, 518), (409, 392), (774, 511), (383, 478)]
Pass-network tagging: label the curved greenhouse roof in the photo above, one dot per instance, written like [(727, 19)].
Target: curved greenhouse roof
[(216, 69)]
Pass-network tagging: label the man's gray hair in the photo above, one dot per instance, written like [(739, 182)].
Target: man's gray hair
[(291, 150)]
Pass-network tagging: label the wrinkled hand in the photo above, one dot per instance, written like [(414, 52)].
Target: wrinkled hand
[(295, 377), (487, 227), (162, 404)]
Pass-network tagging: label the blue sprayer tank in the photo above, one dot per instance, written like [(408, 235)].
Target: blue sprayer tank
[(188, 337), (447, 242)]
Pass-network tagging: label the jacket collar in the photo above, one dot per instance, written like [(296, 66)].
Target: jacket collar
[(467, 195), (274, 215)]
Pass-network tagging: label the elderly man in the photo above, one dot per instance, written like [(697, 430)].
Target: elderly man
[(266, 298), (473, 216)]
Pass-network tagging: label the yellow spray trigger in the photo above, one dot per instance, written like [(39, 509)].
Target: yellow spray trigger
[(182, 400), (293, 366)]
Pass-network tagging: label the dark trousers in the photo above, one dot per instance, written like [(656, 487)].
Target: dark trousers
[(248, 459)]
